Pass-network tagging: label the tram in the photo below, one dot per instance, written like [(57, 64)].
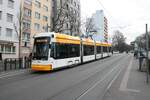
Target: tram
[(53, 50)]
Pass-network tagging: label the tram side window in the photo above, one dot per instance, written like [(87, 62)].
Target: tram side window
[(61, 51), (104, 49), (109, 49), (74, 50), (66, 51), (52, 50), (88, 50), (98, 49)]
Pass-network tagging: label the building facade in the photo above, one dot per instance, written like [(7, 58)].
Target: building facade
[(8, 34), (23, 18), (26, 14), (68, 13), (41, 17), (101, 26)]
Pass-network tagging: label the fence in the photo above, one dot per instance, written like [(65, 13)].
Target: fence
[(14, 64)]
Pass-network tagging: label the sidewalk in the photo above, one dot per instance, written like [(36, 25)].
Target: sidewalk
[(130, 85)]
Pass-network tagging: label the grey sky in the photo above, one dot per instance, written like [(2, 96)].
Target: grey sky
[(129, 16)]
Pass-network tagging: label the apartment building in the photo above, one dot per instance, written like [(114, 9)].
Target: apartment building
[(41, 17), (8, 34), (26, 11), (101, 25)]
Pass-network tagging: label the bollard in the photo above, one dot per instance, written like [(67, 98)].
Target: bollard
[(25, 64), (5, 64), (140, 63), (15, 64), (20, 63), (10, 62)]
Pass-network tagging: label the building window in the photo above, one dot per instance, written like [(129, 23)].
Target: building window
[(37, 26), (29, 2), (0, 15), (10, 3), (75, 4), (37, 4), (7, 48), (9, 17), (1, 1), (45, 28), (9, 32), (37, 15), (26, 36), (26, 24), (13, 49), (67, 7), (67, 25), (45, 8), (45, 18), (27, 12), (0, 31), (2, 48), (78, 7)]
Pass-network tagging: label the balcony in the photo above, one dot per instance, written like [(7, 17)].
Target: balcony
[(28, 4)]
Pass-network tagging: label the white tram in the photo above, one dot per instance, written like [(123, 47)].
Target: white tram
[(54, 50)]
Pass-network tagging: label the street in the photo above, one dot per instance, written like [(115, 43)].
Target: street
[(89, 81)]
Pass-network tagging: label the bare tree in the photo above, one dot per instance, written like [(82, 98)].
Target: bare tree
[(141, 41), (64, 15), (59, 18), (118, 41), (73, 21), (88, 27), (19, 28)]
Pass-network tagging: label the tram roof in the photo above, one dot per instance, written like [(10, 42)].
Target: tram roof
[(87, 41), (63, 38), (46, 34), (102, 44)]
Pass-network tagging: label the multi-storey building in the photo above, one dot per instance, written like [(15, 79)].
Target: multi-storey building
[(101, 26), (29, 16), (8, 34), (26, 11), (41, 17), (68, 12)]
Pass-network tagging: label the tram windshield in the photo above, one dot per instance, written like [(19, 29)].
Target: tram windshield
[(41, 48)]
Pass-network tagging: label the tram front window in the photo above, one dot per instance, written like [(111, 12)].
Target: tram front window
[(41, 48)]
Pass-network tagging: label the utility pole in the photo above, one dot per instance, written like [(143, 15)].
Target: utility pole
[(147, 62)]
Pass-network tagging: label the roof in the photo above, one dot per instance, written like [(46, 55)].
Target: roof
[(63, 38), (46, 34)]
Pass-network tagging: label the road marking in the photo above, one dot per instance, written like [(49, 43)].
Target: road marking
[(89, 89), (123, 85), (12, 74), (110, 84)]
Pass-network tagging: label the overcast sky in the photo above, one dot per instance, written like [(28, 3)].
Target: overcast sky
[(129, 16)]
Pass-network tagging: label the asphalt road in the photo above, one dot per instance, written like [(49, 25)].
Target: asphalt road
[(89, 81)]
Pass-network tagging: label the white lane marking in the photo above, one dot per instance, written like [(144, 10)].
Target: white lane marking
[(124, 82), (110, 84), (89, 89), (12, 74)]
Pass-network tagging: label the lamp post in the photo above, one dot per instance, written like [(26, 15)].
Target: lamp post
[(147, 62)]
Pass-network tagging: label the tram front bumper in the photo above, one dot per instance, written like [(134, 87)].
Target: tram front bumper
[(37, 67)]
